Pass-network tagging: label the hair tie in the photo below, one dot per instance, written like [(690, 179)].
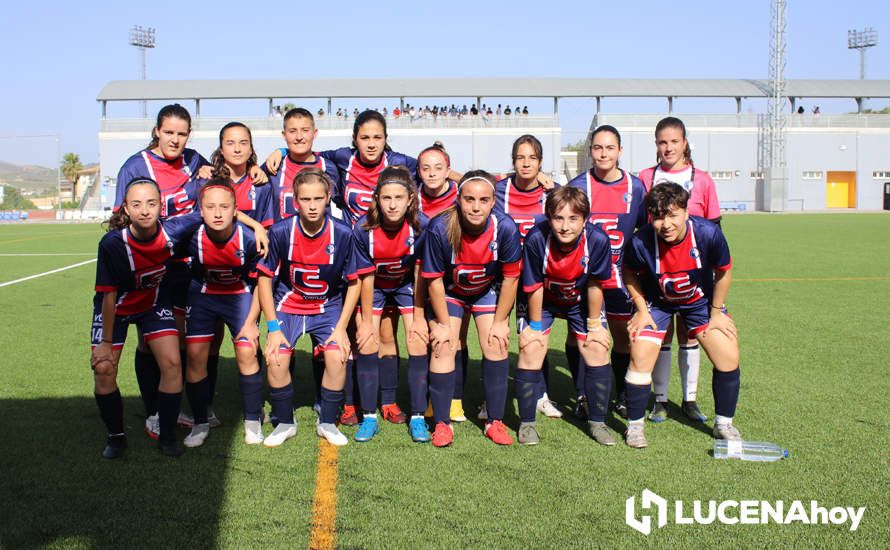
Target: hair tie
[(466, 181)]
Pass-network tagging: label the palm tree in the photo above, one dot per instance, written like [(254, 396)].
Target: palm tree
[(71, 166)]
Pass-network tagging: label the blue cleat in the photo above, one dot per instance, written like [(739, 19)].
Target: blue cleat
[(417, 428), (367, 429)]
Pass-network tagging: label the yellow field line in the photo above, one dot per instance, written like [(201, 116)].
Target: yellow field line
[(324, 502), (809, 279)]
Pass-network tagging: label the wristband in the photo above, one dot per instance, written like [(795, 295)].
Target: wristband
[(273, 325), (721, 307), (593, 325), (535, 325), (106, 341)]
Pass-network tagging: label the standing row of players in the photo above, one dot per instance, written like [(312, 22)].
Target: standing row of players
[(392, 263)]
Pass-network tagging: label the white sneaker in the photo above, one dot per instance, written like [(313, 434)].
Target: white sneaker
[(483, 412), (280, 434), (212, 419), (197, 436), (253, 432), (547, 408), (153, 426), (331, 433), (185, 420)]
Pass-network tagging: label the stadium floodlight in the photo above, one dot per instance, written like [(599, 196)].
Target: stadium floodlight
[(862, 40), (143, 38)]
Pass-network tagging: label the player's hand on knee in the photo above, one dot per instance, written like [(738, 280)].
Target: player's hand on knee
[(366, 332), (723, 323), (419, 332), (499, 336), (528, 336), (639, 321), (598, 337), (249, 332), (339, 337), (441, 339), (274, 341)]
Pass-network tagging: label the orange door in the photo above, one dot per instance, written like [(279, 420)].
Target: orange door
[(840, 190)]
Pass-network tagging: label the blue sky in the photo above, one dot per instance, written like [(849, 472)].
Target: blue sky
[(58, 55)]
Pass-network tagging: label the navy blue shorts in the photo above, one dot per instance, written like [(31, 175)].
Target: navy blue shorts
[(696, 315), (153, 323), (319, 327), (204, 310)]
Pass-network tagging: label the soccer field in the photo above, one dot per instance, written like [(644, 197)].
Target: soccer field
[(810, 295)]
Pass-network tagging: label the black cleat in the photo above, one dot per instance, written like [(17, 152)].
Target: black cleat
[(115, 445), (173, 449), (582, 411)]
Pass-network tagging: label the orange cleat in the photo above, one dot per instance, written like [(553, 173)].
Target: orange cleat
[(497, 432), (443, 436)]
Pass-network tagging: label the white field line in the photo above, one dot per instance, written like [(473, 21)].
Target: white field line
[(28, 278)]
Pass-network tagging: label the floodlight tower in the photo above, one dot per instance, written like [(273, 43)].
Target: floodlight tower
[(142, 39), (774, 177), (862, 40)]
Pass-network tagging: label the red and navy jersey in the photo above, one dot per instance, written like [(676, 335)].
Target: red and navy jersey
[(483, 258), (223, 267), (617, 208), (135, 268), (357, 180), (312, 272), (433, 206), (390, 255), (564, 273), (526, 207), (282, 184), (680, 273), (171, 175)]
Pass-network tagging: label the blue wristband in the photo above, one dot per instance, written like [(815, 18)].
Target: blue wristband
[(535, 325), (273, 325), (283, 151)]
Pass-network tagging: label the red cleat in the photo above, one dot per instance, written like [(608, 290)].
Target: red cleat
[(392, 413), (497, 432), (443, 436), (348, 416)]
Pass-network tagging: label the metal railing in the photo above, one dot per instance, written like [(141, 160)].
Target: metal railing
[(337, 123), (747, 120)]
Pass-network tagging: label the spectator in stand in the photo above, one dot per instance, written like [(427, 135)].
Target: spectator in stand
[(488, 112), (397, 112), (507, 111), (385, 112), (499, 111), (320, 112), (473, 110), (525, 111), (355, 112)]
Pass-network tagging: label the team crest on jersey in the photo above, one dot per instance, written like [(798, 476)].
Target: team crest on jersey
[(694, 253), (584, 261), (688, 185), (329, 249), (628, 197), (239, 253), (251, 194), (169, 244), (493, 246), (409, 241)]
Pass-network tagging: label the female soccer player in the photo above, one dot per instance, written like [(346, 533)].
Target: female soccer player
[(437, 192), (312, 255), (388, 243), (616, 206), (132, 262), (521, 196), (565, 258), (679, 265), (467, 250), (224, 258), (675, 165)]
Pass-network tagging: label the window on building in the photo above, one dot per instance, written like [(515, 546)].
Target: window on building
[(881, 174), (813, 174), (721, 175)]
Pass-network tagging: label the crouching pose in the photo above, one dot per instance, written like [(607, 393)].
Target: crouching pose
[(133, 259), (565, 260), (679, 265), (224, 258), (467, 250), (311, 260)]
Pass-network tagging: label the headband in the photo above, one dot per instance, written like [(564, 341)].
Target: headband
[(225, 186), (405, 183), (480, 178)]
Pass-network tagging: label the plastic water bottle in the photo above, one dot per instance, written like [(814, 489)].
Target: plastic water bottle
[(758, 451)]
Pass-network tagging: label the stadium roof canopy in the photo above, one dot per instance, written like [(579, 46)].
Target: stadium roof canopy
[(130, 90)]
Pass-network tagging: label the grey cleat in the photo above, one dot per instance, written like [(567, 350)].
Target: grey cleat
[(528, 434), (635, 437), (727, 431), (692, 412), (659, 412), (600, 433)]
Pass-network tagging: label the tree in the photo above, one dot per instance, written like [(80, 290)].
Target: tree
[(287, 107), (71, 166), (13, 200)]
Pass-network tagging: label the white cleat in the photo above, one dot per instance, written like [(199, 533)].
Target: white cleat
[(185, 420), (331, 433), (280, 434), (253, 432), (547, 408), (197, 436)]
